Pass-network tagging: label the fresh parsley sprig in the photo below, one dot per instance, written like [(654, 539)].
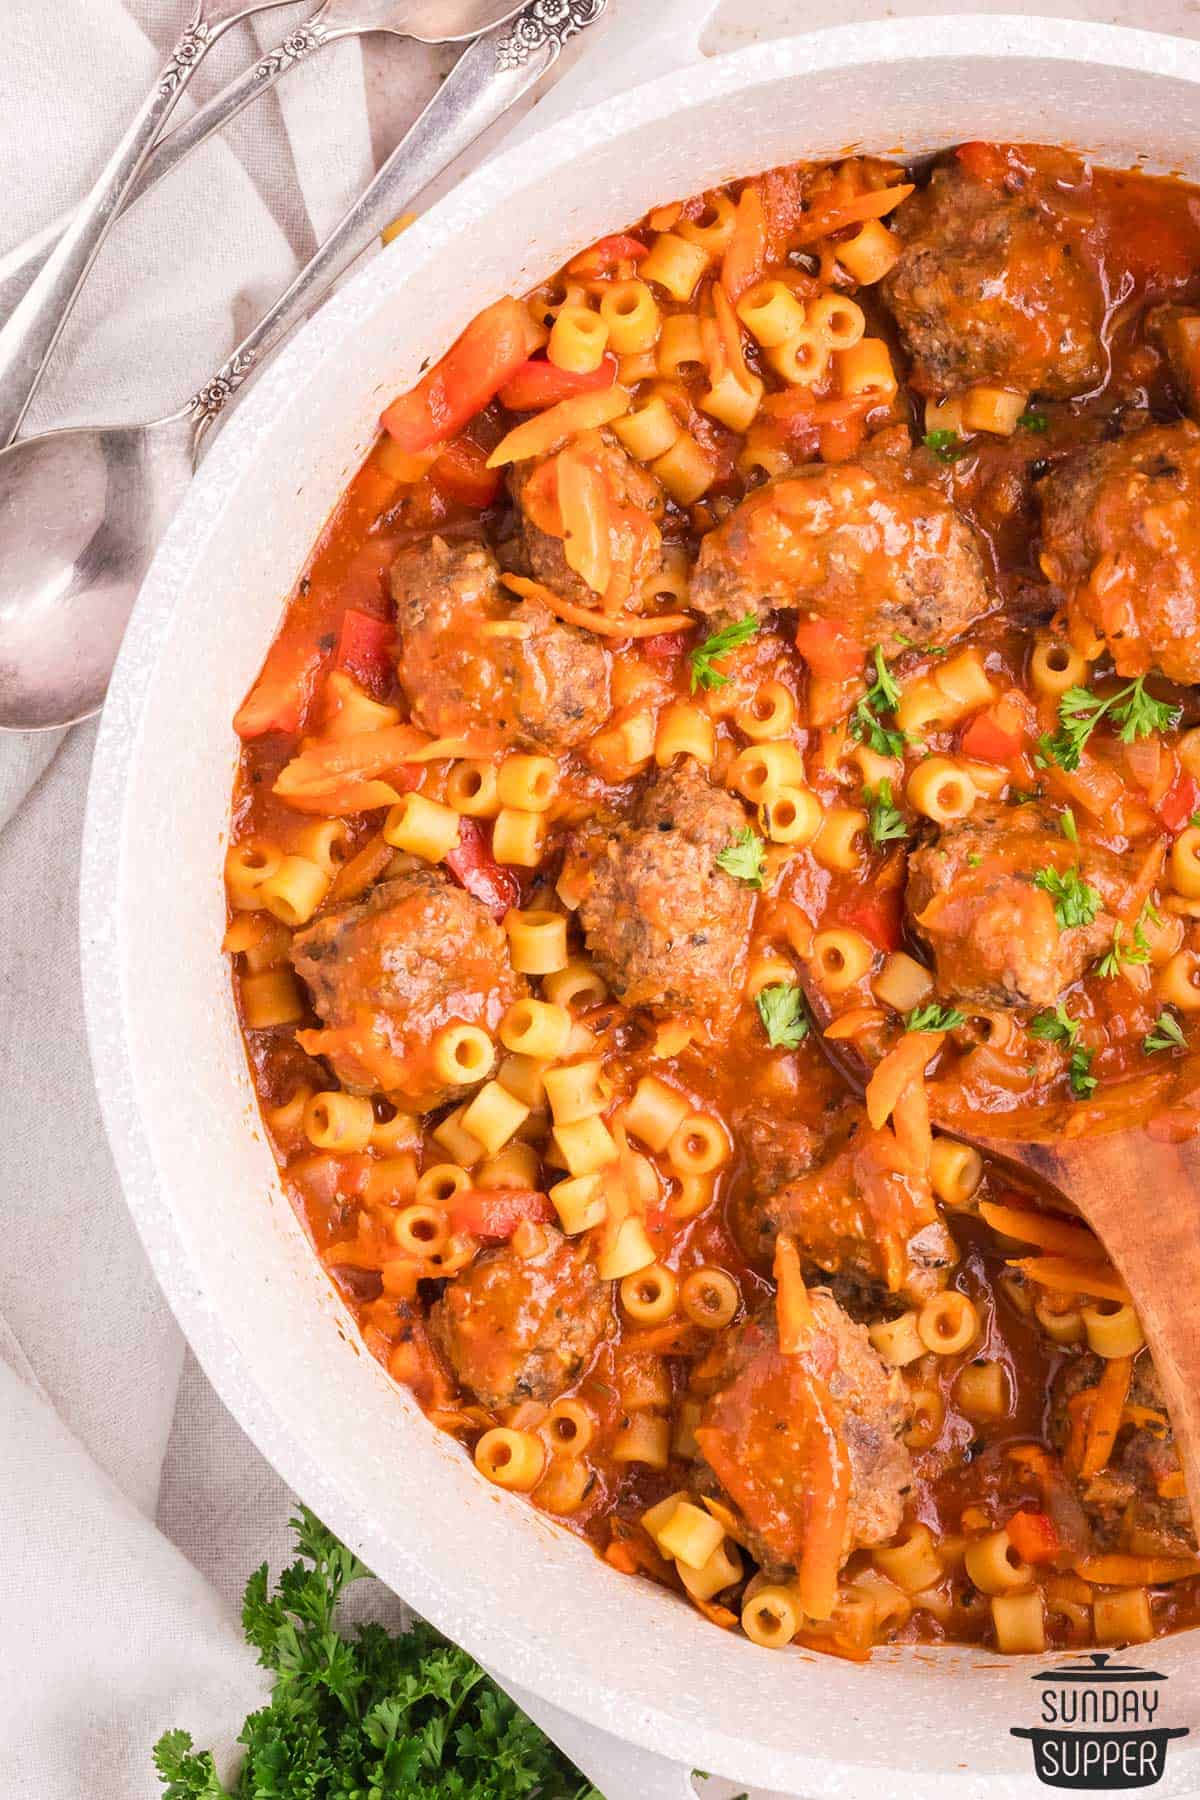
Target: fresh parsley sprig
[(934, 1018), (883, 696), (744, 857), (781, 1009), (1082, 1082), (1167, 1034), (945, 445), (1057, 1027), (1135, 713), (885, 823), (365, 1712), (1120, 955), (1075, 903), (703, 658)]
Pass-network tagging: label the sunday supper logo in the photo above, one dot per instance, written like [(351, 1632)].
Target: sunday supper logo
[(1100, 1725)]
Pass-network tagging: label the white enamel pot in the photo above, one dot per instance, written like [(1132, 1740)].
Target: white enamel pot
[(520, 1593)]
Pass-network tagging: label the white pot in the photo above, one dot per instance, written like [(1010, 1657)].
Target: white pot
[(485, 1567)]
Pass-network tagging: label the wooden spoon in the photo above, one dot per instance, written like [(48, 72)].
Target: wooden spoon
[(1130, 1167)]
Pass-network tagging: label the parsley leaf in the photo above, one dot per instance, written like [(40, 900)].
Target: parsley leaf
[(1075, 903), (885, 824), (1067, 825), (1195, 819), (744, 858), (1120, 954), (883, 740), (1082, 1084), (365, 1713), (1057, 1027), (731, 637), (945, 445), (883, 695), (1033, 421), (934, 1018), (1166, 1035), (1135, 713), (781, 1009), (975, 859)]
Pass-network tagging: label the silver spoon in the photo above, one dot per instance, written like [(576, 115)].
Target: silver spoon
[(81, 511), (29, 336), (430, 21)]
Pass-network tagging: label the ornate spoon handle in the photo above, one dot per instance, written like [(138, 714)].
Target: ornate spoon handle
[(29, 336), (487, 79)]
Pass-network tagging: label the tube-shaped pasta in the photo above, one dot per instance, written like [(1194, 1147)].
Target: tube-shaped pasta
[(733, 400), (579, 1202), (922, 703), (570, 1427), (493, 1116), (838, 844), (866, 368), (769, 713), (691, 1535), (511, 1459), (1019, 1622), (655, 1112), (722, 1570), (516, 1166), (537, 941), (517, 838), (247, 866), (910, 1560), (965, 682), (1054, 666), (698, 1145), (771, 1618), (714, 228), (870, 253), (421, 1230), (575, 1091), (644, 1438), (424, 828), (456, 1141), (839, 322), (461, 1054), (270, 998), (1123, 1617), (686, 470), (1112, 1330), (761, 770), (1188, 751), (680, 345), (645, 1381), (579, 984), (981, 1390), (472, 789), (324, 842), (1178, 981), (684, 730), (993, 1564), (586, 1144), (629, 1251), (897, 1341), (649, 1296), (1060, 1327), (578, 340), (295, 890), (928, 1414), (803, 359), (440, 1183), (994, 409), (527, 782), (948, 1323), (631, 313), (649, 429), (674, 264), (709, 1298), (941, 789), (902, 983), (535, 1028), (771, 313), (842, 958), (955, 1171), (792, 815), (769, 969), (337, 1121), (1185, 862)]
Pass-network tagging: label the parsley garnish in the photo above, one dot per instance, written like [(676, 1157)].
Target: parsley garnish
[(1033, 421), (744, 858), (1082, 1084), (364, 1712), (1135, 713), (975, 859), (934, 1018), (884, 823), (1195, 819), (1120, 954), (1057, 1027), (881, 697), (730, 637), (1166, 1035), (1075, 903), (945, 445), (781, 1009), (1068, 826)]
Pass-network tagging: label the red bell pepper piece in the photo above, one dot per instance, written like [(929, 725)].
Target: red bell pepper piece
[(665, 647), (987, 740), (607, 253), (495, 1213), (475, 868), (279, 698), (746, 255), (364, 649), (461, 473), (1180, 801), (1034, 1536), (827, 650), (538, 384), (877, 916), (471, 373)]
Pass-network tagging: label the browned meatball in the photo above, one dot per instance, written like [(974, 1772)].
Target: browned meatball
[(858, 545), (988, 290), (667, 928), (993, 928), (1177, 329), (765, 1421), (515, 1327), (859, 1213), (388, 972), (597, 475), (545, 685), (1121, 536), (1123, 1504)]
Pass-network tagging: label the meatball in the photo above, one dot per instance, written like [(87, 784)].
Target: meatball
[(1122, 1502), (1177, 330), (766, 1421), (1121, 537), (596, 476), (666, 927), (856, 544), (537, 682), (987, 289), (859, 1214), (975, 898), (388, 972), (515, 1327)]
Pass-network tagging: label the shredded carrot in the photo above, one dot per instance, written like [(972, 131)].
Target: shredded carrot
[(1119, 1570), (1079, 1411), (614, 625), (874, 205), (583, 503), (1144, 882), (620, 1556), (833, 1645), (729, 331), (906, 1063), (547, 430), (1145, 1418), (1105, 1420), (828, 1505), (793, 1310), (325, 762), (366, 866), (859, 1018), (661, 1339), (1048, 1233), (1072, 1275), (714, 1612), (746, 253), (910, 1122)]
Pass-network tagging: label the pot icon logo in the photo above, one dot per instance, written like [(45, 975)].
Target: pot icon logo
[(1100, 1725)]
